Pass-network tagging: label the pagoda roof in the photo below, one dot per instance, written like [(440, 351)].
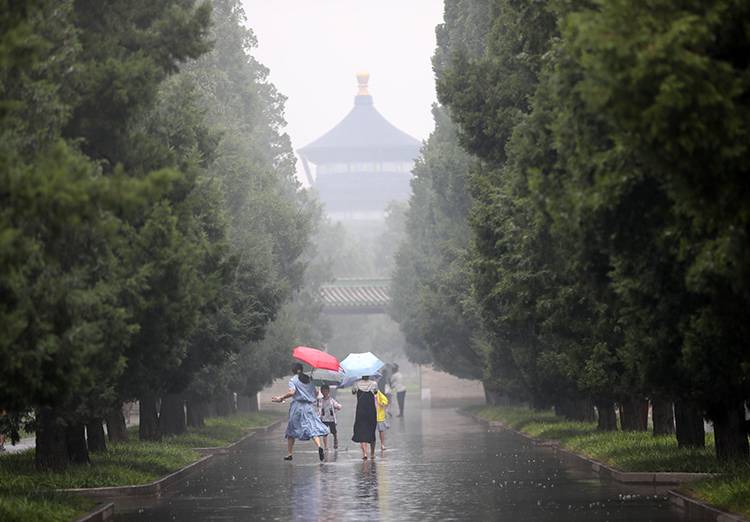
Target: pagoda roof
[(364, 134)]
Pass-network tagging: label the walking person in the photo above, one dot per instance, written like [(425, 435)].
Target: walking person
[(365, 417), (397, 384), (304, 423), (327, 408), (381, 403), (384, 384)]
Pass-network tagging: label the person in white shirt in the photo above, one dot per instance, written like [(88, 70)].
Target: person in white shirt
[(327, 408), (397, 384)]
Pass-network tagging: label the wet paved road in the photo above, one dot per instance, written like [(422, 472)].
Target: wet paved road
[(442, 466)]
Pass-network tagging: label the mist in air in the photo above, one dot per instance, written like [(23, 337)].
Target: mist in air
[(341, 259)]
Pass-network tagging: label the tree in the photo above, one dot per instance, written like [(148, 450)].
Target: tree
[(671, 81), (64, 328), (269, 221)]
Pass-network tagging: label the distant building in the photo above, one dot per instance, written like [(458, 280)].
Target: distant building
[(361, 164)]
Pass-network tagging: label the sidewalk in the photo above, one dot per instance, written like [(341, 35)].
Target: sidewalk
[(23, 445)]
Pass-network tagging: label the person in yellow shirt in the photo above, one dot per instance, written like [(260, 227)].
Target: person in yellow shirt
[(381, 401)]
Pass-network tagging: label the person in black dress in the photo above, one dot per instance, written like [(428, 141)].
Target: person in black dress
[(365, 418)]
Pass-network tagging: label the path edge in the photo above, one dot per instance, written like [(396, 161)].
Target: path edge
[(101, 513), (691, 506), (105, 511), (223, 450)]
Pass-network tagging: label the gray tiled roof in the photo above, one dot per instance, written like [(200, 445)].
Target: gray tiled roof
[(356, 296)]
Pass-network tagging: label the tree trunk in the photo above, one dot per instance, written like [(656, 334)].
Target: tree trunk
[(634, 414), (730, 432), (663, 416), (579, 409), (253, 402), (95, 435), (562, 408), (221, 408), (75, 441), (243, 403), (606, 418), (537, 403), (495, 398), (689, 428), (225, 405), (247, 403), (489, 396), (172, 415), (51, 451), (148, 429), (116, 428), (196, 413)]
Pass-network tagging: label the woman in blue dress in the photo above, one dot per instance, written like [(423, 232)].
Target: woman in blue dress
[(304, 423)]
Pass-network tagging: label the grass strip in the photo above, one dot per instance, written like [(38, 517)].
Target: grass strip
[(627, 451), (28, 494), (636, 451), (729, 491)]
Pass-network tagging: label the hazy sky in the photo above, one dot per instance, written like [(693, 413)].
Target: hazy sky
[(314, 48)]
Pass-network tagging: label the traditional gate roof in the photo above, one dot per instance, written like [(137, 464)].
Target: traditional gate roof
[(356, 296)]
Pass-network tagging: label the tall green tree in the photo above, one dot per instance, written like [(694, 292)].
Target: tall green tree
[(65, 326), (672, 81), (269, 218), (431, 291)]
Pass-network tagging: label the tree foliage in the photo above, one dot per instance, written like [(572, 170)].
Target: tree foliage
[(605, 156), (151, 227)]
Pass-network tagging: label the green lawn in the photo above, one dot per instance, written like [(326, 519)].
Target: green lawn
[(635, 451), (627, 451), (26, 494), (729, 491)]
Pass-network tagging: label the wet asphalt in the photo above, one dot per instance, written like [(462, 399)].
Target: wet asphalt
[(439, 465)]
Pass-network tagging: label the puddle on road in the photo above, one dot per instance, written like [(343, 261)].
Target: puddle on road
[(439, 467)]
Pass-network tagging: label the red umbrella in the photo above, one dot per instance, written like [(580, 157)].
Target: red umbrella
[(316, 358)]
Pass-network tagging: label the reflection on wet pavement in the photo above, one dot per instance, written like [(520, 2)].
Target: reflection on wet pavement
[(439, 466)]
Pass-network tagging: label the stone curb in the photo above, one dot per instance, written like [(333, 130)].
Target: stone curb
[(265, 429), (697, 510), (156, 487), (151, 489), (223, 450), (654, 478), (694, 509), (101, 513)]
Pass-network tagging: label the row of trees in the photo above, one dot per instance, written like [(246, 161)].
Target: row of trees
[(578, 232), (152, 233)]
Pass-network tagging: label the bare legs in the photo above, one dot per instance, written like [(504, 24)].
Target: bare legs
[(290, 446), (335, 442), (382, 440)]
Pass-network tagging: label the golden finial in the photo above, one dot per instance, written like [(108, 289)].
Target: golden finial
[(362, 79)]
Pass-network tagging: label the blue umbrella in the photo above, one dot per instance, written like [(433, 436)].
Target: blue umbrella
[(351, 379), (357, 365)]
